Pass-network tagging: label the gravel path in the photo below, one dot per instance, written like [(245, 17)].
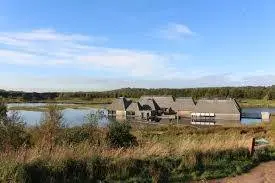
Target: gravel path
[(264, 173)]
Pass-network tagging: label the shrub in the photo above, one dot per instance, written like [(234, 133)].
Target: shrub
[(119, 135), (79, 134), (92, 119), (12, 130), (51, 125), (3, 111)]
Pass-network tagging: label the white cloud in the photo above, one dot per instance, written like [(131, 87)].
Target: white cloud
[(48, 35), (46, 47), (175, 31)]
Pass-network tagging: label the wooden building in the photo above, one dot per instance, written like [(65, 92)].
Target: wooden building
[(216, 111), (119, 106), (134, 109), (149, 108), (183, 106), (164, 103)]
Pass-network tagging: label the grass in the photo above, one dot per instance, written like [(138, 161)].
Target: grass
[(61, 107), (165, 153), (256, 103), (62, 100), (189, 166)]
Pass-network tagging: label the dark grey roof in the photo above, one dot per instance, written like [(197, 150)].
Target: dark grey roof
[(148, 104), (162, 101), (229, 106), (120, 104), (183, 104), (134, 106)]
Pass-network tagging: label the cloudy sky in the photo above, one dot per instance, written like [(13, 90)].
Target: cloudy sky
[(102, 44)]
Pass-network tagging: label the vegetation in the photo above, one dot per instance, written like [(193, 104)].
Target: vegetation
[(256, 103), (119, 135), (43, 108), (267, 93), (52, 152), (13, 134)]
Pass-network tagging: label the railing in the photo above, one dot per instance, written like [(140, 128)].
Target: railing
[(203, 120)]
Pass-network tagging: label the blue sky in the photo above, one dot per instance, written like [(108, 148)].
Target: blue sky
[(100, 45)]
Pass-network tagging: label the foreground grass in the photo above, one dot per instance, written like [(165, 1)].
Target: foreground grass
[(164, 154), (189, 166)]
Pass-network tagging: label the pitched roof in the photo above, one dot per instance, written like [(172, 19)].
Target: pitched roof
[(119, 104), (134, 106), (162, 101), (148, 103), (229, 106), (184, 103)]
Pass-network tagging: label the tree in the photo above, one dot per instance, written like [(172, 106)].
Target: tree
[(268, 96)]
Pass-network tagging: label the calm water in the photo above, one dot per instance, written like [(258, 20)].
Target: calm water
[(71, 117), (74, 117), (258, 110)]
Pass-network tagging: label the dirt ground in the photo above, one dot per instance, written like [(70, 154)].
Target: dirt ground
[(264, 173)]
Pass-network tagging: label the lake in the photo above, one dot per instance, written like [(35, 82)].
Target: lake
[(258, 110), (73, 117)]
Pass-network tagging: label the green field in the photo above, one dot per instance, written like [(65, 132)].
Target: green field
[(256, 103), (61, 107)]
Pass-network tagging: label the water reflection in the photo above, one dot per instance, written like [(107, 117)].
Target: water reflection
[(71, 117)]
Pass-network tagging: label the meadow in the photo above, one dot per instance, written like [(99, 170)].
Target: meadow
[(52, 152)]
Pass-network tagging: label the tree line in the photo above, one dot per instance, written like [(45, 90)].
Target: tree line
[(248, 92)]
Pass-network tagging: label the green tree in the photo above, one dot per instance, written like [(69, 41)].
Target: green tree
[(268, 96)]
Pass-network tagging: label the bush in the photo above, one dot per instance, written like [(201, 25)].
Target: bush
[(92, 119), (12, 130), (3, 111), (50, 126), (79, 134), (119, 135)]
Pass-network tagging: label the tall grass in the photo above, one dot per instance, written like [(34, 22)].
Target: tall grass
[(188, 166)]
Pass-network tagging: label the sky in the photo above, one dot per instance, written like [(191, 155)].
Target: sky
[(95, 45)]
